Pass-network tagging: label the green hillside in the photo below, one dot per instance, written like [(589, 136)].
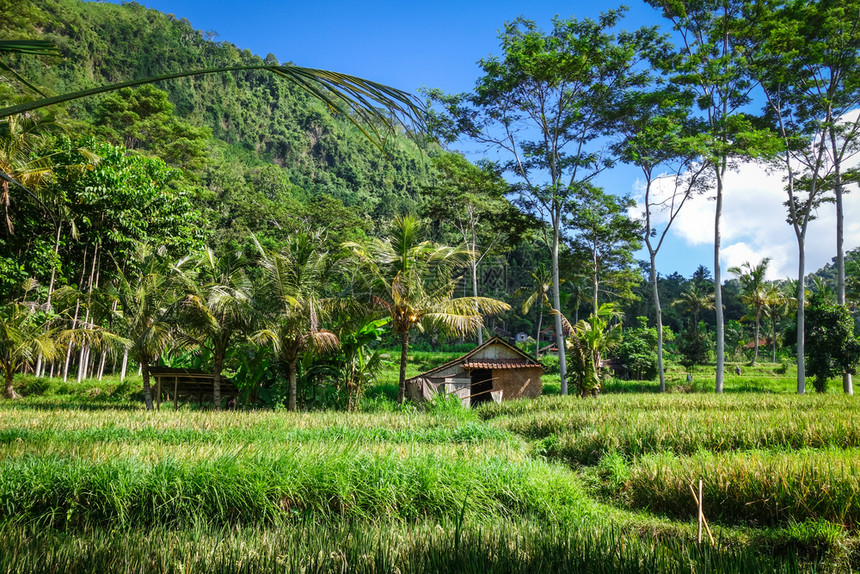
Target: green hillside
[(255, 118)]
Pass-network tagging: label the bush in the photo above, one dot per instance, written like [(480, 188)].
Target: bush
[(638, 351), (550, 364)]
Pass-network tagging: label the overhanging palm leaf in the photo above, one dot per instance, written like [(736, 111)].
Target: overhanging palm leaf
[(30, 47), (371, 104)]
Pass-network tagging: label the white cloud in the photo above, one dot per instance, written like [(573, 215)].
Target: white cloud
[(753, 224)]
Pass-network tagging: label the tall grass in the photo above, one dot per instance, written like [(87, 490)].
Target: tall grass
[(503, 547), (118, 489), (758, 488), (582, 431), (326, 480)]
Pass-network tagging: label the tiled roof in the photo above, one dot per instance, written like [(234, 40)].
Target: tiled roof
[(499, 364)]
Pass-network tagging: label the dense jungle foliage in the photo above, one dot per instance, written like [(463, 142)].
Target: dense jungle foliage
[(244, 162)]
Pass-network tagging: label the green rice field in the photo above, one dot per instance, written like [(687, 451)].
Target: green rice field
[(89, 481)]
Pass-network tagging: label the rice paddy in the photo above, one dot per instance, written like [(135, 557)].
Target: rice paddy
[(554, 484)]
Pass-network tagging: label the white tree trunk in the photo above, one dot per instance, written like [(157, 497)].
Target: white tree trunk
[(556, 302), (718, 291), (801, 316), (102, 365), (847, 382), (658, 312), (475, 294), (124, 365)]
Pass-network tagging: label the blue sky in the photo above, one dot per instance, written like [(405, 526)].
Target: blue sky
[(437, 44)]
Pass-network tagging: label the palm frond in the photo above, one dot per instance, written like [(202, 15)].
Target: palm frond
[(324, 340), (358, 99)]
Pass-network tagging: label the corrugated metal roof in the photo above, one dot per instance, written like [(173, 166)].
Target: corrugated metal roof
[(499, 364)]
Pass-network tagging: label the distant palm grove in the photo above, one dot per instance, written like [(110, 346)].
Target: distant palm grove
[(230, 222)]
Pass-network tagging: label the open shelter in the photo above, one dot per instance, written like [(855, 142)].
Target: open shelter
[(191, 383)]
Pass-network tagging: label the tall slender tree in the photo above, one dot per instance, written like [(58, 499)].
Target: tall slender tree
[(712, 63), (657, 136), (778, 62), (544, 103)]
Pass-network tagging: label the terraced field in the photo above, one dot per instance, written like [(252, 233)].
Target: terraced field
[(555, 484)]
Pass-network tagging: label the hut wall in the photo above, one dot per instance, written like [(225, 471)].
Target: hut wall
[(452, 380), (519, 383)]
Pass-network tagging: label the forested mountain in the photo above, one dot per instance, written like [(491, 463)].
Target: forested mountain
[(255, 118)]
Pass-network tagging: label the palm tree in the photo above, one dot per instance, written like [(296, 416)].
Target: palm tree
[(694, 299), (590, 339), (753, 291), (136, 305), (293, 285), (414, 282), (23, 337), (823, 288), (541, 284), (21, 163), (775, 306), (216, 309)]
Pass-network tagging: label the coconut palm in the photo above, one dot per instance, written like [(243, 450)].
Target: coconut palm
[(216, 309), (537, 293), (22, 165), (753, 292), (775, 307), (24, 335), (293, 286), (413, 281), (695, 299), (136, 306)]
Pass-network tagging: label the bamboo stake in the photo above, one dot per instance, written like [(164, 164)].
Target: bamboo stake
[(702, 520), (701, 511)]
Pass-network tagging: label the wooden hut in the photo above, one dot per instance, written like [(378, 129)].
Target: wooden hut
[(190, 383), (494, 371)]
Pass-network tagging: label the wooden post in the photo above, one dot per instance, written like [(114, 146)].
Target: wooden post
[(701, 511), (175, 393), (158, 393)]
